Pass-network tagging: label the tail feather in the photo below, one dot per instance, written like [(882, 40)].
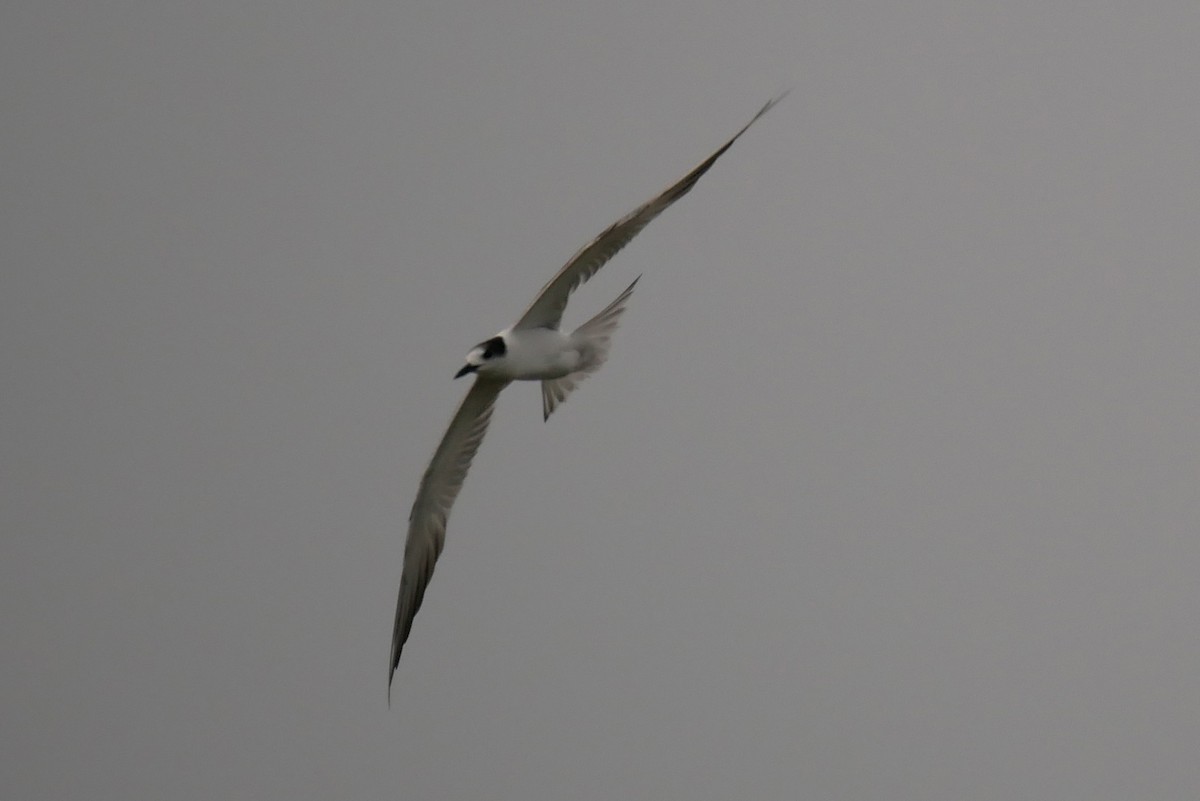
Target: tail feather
[(597, 334)]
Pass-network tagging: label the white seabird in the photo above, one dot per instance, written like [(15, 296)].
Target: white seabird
[(532, 349)]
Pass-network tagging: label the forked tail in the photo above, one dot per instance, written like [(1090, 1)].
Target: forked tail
[(597, 334)]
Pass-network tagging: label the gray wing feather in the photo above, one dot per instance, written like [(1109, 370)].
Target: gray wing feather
[(547, 309), (439, 487)]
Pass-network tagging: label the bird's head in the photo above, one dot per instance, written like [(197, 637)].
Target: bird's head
[(484, 357)]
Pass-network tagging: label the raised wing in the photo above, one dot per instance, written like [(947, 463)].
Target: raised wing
[(547, 309), (439, 487)]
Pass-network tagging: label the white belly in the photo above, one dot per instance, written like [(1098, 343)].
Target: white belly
[(539, 353)]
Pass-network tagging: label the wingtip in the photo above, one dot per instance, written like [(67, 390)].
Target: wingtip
[(393, 663), (770, 104)]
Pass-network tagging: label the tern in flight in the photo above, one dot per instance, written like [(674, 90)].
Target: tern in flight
[(532, 349)]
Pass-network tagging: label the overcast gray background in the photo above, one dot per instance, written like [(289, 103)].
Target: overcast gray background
[(889, 490)]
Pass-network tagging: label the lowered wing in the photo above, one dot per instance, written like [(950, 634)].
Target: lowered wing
[(439, 487)]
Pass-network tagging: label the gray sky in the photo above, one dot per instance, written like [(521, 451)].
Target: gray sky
[(889, 490)]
